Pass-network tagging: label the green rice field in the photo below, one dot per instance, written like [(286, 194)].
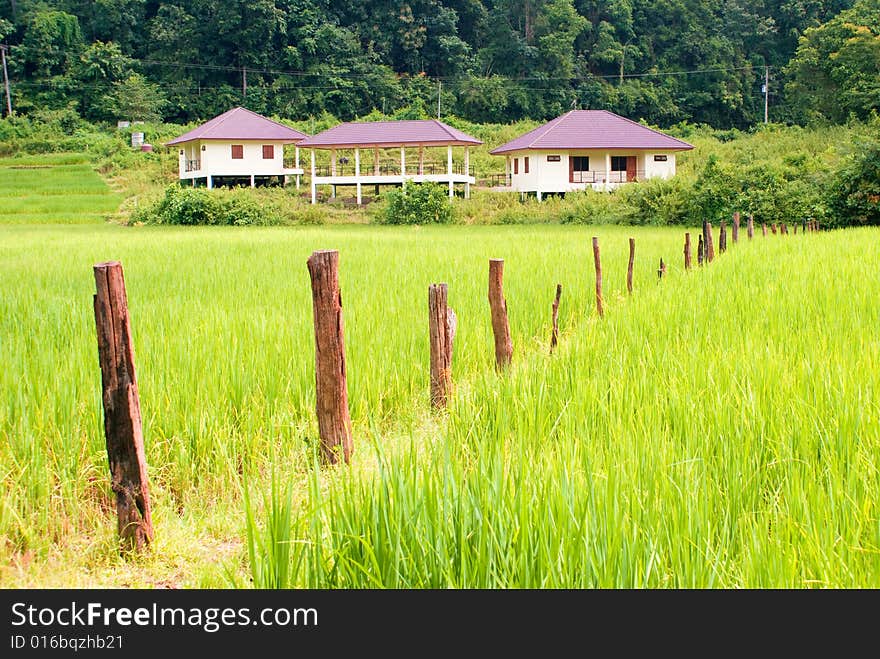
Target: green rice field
[(717, 429), (54, 188)]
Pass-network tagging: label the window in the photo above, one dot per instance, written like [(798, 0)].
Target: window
[(618, 163), (659, 158), (554, 158), (526, 165), (237, 152), (268, 152), (580, 163), (516, 165)]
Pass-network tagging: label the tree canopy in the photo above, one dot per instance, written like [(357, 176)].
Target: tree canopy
[(664, 61)]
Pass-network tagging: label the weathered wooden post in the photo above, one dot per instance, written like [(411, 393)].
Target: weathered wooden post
[(764, 229), (750, 227), (661, 270), (598, 265), (500, 323), (122, 409), (701, 250), (784, 229), (795, 227), (440, 331), (554, 336), (722, 238), (334, 422), (710, 246), (629, 269), (735, 229), (773, 228), (687, 251)]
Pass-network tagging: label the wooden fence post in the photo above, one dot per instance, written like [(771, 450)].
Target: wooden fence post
[(629, 269), (123, 431), (710, 247), (764, 228), (750, 227), (440, 330), (598, 265), (773, 228), (735, 229), (687, 251), (701, 250), (784, 229), (554, 336), (661, 270), (334, 422), (722, 238), (500, 323)]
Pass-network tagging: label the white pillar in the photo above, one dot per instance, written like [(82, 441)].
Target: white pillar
[(210, 182), (332, 162), (357, 173), (507, 181), (296, 163), (607, 169), (449, 170), (538, 194), (375, 161), (421, 159), (467, 172), (313, 175), (253, 182), (403, 165)]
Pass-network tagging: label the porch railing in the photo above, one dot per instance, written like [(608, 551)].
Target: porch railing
[(606, 177), (412, 169), (193, 165)]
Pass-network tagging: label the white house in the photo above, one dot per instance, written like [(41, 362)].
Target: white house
[(238, 147), (587, 148), (417, 135)]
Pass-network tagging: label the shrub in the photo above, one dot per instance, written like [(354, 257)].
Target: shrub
[(854, 195), (425, 203), (199, 206)]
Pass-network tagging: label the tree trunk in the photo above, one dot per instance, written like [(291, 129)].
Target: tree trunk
[(334, 422), (122, 411), (441, 345), (500, 323)]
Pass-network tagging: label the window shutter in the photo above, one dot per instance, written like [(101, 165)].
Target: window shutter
[(516, 165), (526, 165), (237, 151), (268, 152)]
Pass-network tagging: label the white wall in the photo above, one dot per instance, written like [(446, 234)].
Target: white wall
[(216, 159), (660, 169), (546, 176)]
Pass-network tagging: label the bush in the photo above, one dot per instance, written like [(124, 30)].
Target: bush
[(424, 203), (199, 206), (854, 195)]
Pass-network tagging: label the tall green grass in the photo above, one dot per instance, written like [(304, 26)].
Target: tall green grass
[(57, 189), (716, 429)]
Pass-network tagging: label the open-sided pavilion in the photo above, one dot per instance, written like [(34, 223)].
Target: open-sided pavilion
[(381, 136)]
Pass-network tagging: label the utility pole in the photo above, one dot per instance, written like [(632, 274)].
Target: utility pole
[(766, 91), (3, 48)]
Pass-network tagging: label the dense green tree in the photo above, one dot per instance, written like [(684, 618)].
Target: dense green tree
[(836, 69), (660, 60)]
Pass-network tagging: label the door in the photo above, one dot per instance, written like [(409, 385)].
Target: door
[(630, 168)]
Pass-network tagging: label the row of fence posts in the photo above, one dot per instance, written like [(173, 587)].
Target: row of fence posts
[(121, 402)]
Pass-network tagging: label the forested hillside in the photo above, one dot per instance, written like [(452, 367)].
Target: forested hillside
[(663, 61)]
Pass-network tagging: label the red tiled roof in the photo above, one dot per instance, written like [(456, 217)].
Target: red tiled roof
[(390, 133), (592, 129), (240, 124)]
